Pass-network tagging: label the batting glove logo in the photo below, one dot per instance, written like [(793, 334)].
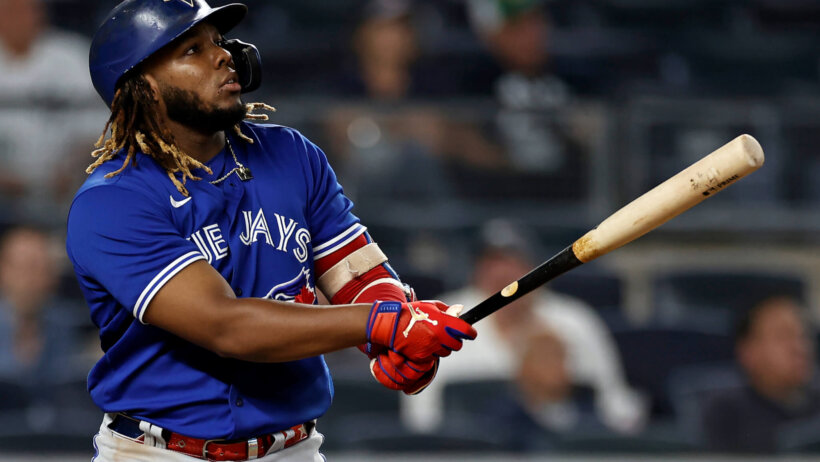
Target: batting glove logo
[(417, 316)]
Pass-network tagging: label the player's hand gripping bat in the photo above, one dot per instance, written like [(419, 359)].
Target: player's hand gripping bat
[(699, 181)]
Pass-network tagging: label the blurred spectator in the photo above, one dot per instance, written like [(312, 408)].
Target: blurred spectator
[(44, 71), (774, 351), (545, 384), (516, 33), (389, 136), (388, 60), (37, 343), (40, 65), (386, 48), (575, 339), (544, 132)]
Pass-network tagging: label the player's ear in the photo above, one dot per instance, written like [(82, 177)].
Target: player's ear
[(152, 82)]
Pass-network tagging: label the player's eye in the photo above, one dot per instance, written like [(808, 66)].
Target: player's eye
[(192, 50)]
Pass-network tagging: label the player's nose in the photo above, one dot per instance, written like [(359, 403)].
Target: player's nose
[(222, 58)]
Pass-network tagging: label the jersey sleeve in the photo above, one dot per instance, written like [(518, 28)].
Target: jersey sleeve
[(332, 222), (127, 243)]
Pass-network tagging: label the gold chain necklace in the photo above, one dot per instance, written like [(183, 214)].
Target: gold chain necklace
[(244, 173)]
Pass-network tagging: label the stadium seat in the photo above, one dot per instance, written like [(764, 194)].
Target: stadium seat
[(800, 438), (13, 396), (491, 410), (602, 291), (651, 355), (689, 389), (712, 300), (474, 396), (607, 287), (361, 410), (487, 409), (448, 440), (613, 443)]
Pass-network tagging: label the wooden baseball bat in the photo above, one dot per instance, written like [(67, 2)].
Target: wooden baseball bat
[(701, 180)]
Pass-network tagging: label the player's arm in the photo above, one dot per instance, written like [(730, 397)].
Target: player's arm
[(199, 305)]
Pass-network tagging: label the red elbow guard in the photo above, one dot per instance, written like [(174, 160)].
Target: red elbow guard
[(376, 284)]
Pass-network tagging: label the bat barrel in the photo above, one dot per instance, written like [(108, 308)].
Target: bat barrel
[(694, 184)]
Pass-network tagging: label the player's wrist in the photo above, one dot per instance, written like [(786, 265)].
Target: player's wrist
[(376, 331), (377, 328)]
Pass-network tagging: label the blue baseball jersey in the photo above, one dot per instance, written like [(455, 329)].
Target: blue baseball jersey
[(129, 234)]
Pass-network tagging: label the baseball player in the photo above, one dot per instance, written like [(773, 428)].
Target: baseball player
[(199, 240)]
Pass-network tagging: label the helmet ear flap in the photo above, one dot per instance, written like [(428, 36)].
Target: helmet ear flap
[(247, 62)]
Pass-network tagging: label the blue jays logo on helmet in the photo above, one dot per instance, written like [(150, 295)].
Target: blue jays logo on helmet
[(187, 2), (136, 29), (298, 290)]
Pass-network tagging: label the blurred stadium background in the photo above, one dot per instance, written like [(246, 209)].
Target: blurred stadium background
[(631, 91)]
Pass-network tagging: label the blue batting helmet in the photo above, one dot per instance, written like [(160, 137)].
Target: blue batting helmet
[(136, 29)]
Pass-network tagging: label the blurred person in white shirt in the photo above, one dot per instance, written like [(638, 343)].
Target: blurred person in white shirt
[(588, 350), (46, 110), (38, 61)]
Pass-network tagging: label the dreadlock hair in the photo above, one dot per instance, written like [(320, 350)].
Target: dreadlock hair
[(135, 124)]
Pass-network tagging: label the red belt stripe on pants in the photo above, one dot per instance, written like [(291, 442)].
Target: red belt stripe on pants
[(216, 450)]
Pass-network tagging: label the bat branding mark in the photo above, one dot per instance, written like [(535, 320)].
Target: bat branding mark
[(510, 290), (721, 185)]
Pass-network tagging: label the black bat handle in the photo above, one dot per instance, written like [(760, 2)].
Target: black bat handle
[(559, 264)]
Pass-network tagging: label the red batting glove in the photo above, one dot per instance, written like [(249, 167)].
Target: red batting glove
[(369, 296), (395, 372), (419, 331), (422, 383)]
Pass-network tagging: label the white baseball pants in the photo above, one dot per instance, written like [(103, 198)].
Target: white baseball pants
[(111, 447)]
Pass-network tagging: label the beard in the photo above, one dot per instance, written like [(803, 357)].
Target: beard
[(187, 108)]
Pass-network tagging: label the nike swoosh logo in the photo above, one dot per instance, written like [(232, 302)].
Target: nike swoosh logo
[(178, 204)]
